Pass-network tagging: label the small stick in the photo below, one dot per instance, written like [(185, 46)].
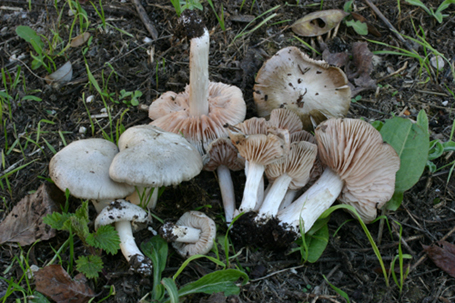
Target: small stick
[(145, 19), (389, 25)]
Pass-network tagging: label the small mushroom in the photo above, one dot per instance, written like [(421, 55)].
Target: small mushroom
[(312, 89), (191, 235), (127, 217)]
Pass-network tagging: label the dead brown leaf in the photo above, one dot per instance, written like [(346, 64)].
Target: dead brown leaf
[(79, 40), (318, 23), (24, 224), (442, 253), (54, 282), (360, 68)]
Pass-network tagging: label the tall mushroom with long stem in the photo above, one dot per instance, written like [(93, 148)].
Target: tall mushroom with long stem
[(200, 112), (360, 171)]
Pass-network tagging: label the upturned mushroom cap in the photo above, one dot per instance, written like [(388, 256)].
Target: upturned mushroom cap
[(297, 164), (312, 89), (154, 158), (83, 168), (121, 210), (285, 119), (222, 152), (226, 106), (354, 150), (199, 220)]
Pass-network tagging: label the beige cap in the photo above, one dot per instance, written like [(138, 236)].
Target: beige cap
[(312, 89), (285, 119), (354, 150), (222, 152)]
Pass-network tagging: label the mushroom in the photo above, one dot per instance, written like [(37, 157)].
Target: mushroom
[(292, 172), (360, 171), (312, 89), (201, 111), (191, 235), (126, 217), (82, 167), (223, 157), (151, 158)]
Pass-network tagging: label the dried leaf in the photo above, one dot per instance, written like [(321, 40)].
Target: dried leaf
[(62, 75), (442, 253), (24, 224), (360, 68), (318, 23), (337, 59), (79, 40), (371, 29), (54, 282)]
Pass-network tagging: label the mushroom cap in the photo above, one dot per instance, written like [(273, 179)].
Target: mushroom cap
[(297, 164), (312, 89), (226, 106), (83, 167), (154, 158), (222, 152), (253, 126), (285, 119), (121, 210), (199, 220), (355, 151)]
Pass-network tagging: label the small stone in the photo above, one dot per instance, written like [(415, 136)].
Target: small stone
[(437, 62), (82, 130), (444, 103)]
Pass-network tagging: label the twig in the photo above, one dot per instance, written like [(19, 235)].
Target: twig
[(145, 19), (394, 73), (276, 272), (389, 25)]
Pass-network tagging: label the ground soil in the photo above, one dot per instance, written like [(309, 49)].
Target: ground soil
[(427, 212)]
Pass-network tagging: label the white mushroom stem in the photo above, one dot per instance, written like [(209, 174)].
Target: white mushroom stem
[(199, 75), (179, 233), (127, 244), (253, 181), (312, 203), (101, 204), (261, 194), (142, 197), (288, 198), (272, 201), (227, 192)]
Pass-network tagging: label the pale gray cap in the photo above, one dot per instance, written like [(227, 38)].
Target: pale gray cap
[(121, 210), (83, 168), (151, 157)]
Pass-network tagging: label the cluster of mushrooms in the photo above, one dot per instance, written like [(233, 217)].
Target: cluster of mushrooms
[(204, 127)]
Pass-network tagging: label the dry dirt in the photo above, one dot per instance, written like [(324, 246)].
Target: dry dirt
[(427, 212)]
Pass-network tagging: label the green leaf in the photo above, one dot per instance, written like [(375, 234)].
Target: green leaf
[(156, 250), (436, 150), (378, 125), (90, 266), (29, 35), (359, 27), (79, 226), (317, 243), (30, 97), (443, 6), (82, 211), (57, 220), (411, 142), (171, 288), (448, 146), (218, 281), (420, 4), (106, 238), (395, 202), (339, 291)]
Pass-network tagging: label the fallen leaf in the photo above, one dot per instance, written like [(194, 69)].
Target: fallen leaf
[(442, 253), (54, 282), (318, 23), (62, 75), (360, 68), (24, 224), (79, 40), (337, 59), (371, 29)]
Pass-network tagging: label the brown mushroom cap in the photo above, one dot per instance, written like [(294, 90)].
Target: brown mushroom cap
[(354, 150), (222, 152), (312, 89), (226, 106), (199, 220), (285, 119)]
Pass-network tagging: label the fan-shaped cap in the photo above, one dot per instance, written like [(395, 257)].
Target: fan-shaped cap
[(154, 158), (83, 168), (222, 152), (312, 89), (285, 119), (199, 220), (355, 151), (226, 106), (121, 210), (297, 164)]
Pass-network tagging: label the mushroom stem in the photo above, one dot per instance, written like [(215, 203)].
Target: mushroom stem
[(227, 192), (253, 181), (101, 204), (288, 198), (142, 197), (272, 201), (199, 75), (179, 233), (127, 244), (313, 202)]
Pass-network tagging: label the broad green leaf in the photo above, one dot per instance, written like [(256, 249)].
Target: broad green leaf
[(90, 266), (359, 27), (106, 238), (218, 281), (436, 150), (78, 225), (156, 249), (56, 220), (411, 143), (82, 211), (449, 146), (395, 202), (29, 35), (378, 125), (171, 288), (317, 243)]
